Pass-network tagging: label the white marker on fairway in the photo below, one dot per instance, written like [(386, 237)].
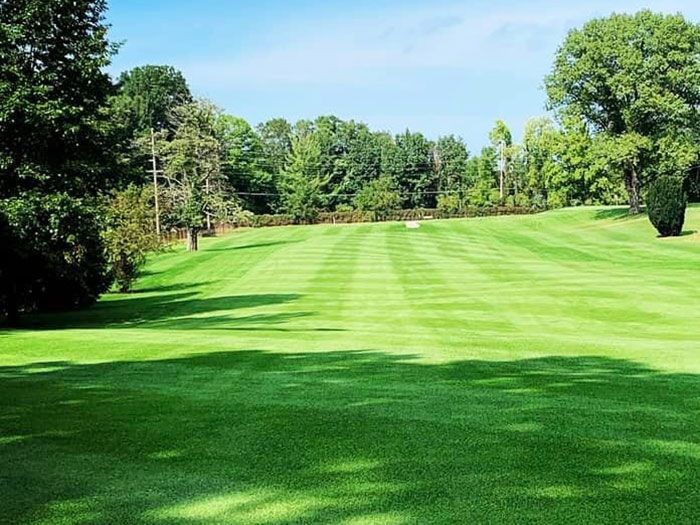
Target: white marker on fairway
[(412, 225)]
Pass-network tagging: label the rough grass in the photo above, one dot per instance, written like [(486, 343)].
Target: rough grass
[(503, 370)]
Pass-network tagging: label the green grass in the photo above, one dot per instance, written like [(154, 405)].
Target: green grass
[(502, 370)]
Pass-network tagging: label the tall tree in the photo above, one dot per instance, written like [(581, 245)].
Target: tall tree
[(302, 183), (149, 94), (634, 78), (53, 91), (363, 162), (450, 162), (276, 138), (410, 165), (196, 185), (245, 164)]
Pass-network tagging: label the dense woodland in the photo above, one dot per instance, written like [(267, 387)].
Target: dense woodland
[(78, 149)]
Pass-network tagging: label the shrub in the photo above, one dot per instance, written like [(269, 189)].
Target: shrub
[(129, 234), (449, 203), (666, 204), (57, 259), (379, 196)]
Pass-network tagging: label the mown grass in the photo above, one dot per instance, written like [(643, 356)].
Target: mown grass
[(501, 370)]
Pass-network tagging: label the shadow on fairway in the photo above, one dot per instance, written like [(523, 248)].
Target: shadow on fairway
[(177, 311), (249, 246), (257, 437), (614, 213)]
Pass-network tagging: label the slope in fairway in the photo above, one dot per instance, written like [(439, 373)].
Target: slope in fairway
[(511, 369)]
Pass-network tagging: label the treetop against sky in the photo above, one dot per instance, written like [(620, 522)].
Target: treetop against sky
[(447, 67)]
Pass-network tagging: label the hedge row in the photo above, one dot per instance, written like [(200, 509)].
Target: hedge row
[(349, 217), (356, 216)]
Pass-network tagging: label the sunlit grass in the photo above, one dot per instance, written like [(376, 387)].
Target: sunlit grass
[(511, 369)]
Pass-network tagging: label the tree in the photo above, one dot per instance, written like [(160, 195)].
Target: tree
[(196, 186), (541, 145), (502, 143), (480, 179), (450, 158), (302, 183), (54, 130), (634, 79), (410, 165), (379, 196), (129, 234), (149, 94), (363, 162), (244, 164), (56, 257), (276, 138)]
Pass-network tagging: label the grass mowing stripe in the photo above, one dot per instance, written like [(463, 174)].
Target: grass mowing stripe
[(507, 369)]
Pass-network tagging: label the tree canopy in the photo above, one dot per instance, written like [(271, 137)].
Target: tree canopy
[(635, 79)]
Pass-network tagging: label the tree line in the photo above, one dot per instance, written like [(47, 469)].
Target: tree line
[(79, 150)]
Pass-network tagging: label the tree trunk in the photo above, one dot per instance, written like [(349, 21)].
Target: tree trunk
[(632, 186), (192, 239)]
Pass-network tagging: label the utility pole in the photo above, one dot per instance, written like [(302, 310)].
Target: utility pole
[(206, 182), (155, 173), (502, 169)]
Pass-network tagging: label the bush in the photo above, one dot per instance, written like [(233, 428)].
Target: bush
[(129, 234), (379, 196), (666, 204), (57, 259), (449, 203)]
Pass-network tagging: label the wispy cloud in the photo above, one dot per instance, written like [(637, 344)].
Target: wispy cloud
[(369, 48)]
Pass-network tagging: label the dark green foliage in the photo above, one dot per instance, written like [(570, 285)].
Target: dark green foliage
[(56, 258), (245, 165), (363, 162), (666, 205), (54, 131), (450, 158), (410, 164), (276, 138), (149, 94), (692, 185)]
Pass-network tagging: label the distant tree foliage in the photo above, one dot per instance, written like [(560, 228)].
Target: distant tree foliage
[(303, 183), (410, 163), (196, 187), (379, 196), (148, 95), (666, 205)]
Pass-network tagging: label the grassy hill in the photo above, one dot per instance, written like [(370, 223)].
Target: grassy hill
[(509, 369)]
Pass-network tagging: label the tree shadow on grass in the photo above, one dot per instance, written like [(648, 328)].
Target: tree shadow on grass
[(249, 246), (258, 437), (619, 213), (177, 311)]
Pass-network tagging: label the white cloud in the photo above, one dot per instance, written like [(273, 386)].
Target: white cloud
[(376, 49)]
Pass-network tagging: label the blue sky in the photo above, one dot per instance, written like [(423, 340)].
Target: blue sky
[(438, 67)]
